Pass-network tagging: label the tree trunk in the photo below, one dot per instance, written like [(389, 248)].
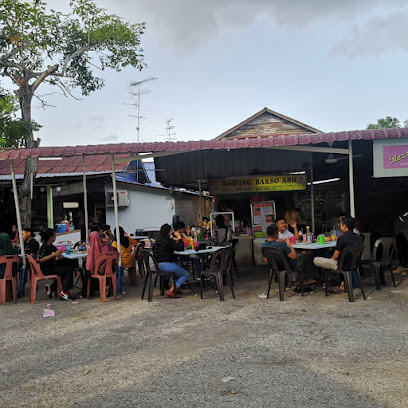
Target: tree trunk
[(25, 98)]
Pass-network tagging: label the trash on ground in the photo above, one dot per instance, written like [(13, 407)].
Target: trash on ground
[(227, 379), (263, 296), (87, 371), (48, 313), (74, 303)]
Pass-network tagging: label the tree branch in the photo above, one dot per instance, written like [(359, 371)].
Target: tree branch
[(11, 65), (47, 72), (69, 58), (9, 55)]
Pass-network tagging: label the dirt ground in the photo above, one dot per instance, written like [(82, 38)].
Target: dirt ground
[(314, 351)]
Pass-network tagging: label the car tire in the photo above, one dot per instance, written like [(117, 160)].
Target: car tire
[(402, 247)]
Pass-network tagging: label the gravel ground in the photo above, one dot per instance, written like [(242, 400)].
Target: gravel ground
[(249, 352)]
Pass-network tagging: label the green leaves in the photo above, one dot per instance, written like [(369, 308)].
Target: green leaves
[(386, 123), (13, 132), (31, 38)]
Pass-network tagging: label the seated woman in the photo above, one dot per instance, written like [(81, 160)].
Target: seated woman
[(94, 249), (126, 246), (163, 251), (51, 263)]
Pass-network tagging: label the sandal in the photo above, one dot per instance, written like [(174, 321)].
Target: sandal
[(171, 294)]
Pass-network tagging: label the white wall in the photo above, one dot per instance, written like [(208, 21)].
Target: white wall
[(148, 209)]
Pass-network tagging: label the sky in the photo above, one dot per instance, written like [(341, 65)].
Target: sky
[(334, 65)]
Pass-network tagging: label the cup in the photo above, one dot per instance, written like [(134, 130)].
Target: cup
[(68, 250), (293, 240), (333, 235), (320, 239)]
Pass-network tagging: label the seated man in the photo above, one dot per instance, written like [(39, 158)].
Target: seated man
[(285, 246), (348, 238), (284, 233)]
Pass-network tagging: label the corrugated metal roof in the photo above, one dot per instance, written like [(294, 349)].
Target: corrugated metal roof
[(65, 166), (251, 143)]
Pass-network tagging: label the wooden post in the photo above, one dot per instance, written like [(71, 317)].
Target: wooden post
[(85, 199), (115, 204)]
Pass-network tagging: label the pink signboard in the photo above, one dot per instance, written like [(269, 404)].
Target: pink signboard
[(396, 157)]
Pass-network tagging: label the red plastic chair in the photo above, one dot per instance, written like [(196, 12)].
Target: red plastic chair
[(37, 275), (9, 260), (108, 272)]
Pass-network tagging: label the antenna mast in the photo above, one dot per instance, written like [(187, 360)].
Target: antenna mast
[(170, 134), (138, 95)]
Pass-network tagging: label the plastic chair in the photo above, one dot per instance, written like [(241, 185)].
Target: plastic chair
[(37, 275), (220, 268), (9, 261), (149, 260), (271, 254), (380, 261), (108, 272), (353, 256), (234, 243)]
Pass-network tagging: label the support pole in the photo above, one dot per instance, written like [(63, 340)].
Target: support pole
[(312, 208), (351, 179), (115, 204), (20, 230), (85, 200), (50, 209), (200, 201)]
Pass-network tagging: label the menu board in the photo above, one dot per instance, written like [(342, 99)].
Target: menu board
[(263, 215)]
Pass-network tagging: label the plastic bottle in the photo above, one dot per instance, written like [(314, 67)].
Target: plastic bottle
[(308, 234), (300, 236), (199, 233)]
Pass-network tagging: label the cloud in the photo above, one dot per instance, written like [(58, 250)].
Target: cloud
[(377, 36), (191, 23), (110, 138)]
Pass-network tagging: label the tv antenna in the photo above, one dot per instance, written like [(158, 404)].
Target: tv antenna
[(170, 135), (139, 92)]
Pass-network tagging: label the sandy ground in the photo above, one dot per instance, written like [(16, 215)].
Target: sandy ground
[(249, 352)]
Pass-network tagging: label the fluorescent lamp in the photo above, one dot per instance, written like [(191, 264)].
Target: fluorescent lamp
[(50, 158), (324, 181), (298, 172), (70, 205)]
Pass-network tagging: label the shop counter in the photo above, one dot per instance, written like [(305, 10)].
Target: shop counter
[(244, 250)]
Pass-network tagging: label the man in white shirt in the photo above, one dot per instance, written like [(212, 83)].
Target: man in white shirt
[(284, 233)]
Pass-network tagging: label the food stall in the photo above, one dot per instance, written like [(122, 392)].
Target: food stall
[(253, 200)]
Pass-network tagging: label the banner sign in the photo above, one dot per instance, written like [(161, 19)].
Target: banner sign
[(390, 158), (396, 157), (250, 184)]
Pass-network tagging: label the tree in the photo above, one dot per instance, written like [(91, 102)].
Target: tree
[(386, 123), (47, 47), (13, 131)]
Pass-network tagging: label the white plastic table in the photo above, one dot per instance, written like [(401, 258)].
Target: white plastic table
[(74, 255), (315, 245), (188, 252)]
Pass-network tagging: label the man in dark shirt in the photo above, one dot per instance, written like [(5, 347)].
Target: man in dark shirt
[(348, 238), (285, 246), (31, 246)]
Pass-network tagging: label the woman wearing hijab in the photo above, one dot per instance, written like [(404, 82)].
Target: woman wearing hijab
[(94, 249), (126, 245)]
